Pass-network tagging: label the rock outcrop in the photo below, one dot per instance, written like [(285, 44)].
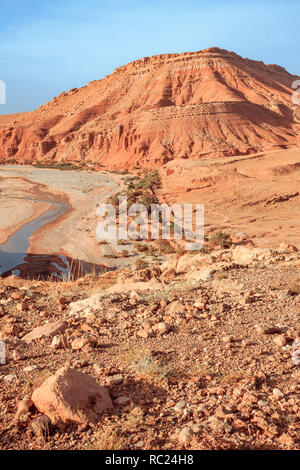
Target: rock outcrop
[(153, 110)]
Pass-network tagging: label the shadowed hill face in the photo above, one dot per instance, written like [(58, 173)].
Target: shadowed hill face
[(161, 108)]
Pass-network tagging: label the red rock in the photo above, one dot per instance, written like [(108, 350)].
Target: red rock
[(22, 306), (23, 408), (146, 333), (80, 343), (71, 396), (49, 329), (123, 120), (280, 340), (162, 328), (10, 329)]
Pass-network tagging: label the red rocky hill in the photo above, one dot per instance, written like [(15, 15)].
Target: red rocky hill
[(211, 102)]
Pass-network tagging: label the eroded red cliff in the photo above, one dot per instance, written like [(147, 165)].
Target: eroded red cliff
[(211, 102)]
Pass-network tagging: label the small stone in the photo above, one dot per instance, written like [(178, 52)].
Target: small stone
[(49, 329), (23, 408), (9, 377), (162, 328), (31, 368), (9, 330), (114, 379), (122, 401), (41, 426), (98, 368), (280, 340), (180, 405), (278, 393), (186, 435)]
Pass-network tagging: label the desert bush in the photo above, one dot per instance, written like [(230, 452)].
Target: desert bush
[(151, 181), (122, 242), (164, 246), (141, 248), (140, 264), (221, 239), (205, 250), (125, 253)]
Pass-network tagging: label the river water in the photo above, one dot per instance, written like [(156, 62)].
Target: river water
[(14, 251)]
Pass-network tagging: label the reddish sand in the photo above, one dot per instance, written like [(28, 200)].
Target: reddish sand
[(257, 195)]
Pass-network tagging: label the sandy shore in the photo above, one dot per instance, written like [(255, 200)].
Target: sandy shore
[(14, 215), (17, 205)]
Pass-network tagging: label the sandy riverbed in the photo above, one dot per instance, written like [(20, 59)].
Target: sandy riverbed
[(73, 233)]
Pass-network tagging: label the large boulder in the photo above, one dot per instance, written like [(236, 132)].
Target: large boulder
[(71, 396)]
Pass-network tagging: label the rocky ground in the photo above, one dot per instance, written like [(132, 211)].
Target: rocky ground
[(197, 356)]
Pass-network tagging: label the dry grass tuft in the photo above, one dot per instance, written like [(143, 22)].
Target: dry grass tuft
[(109, 439)]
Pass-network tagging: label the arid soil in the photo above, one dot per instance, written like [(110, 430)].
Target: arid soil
[(209, 103), (257, 195), (203, 360)]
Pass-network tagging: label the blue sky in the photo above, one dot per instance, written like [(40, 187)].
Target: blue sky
[(47, 47)]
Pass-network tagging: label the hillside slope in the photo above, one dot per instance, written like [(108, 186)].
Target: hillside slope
[(211, 102)]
